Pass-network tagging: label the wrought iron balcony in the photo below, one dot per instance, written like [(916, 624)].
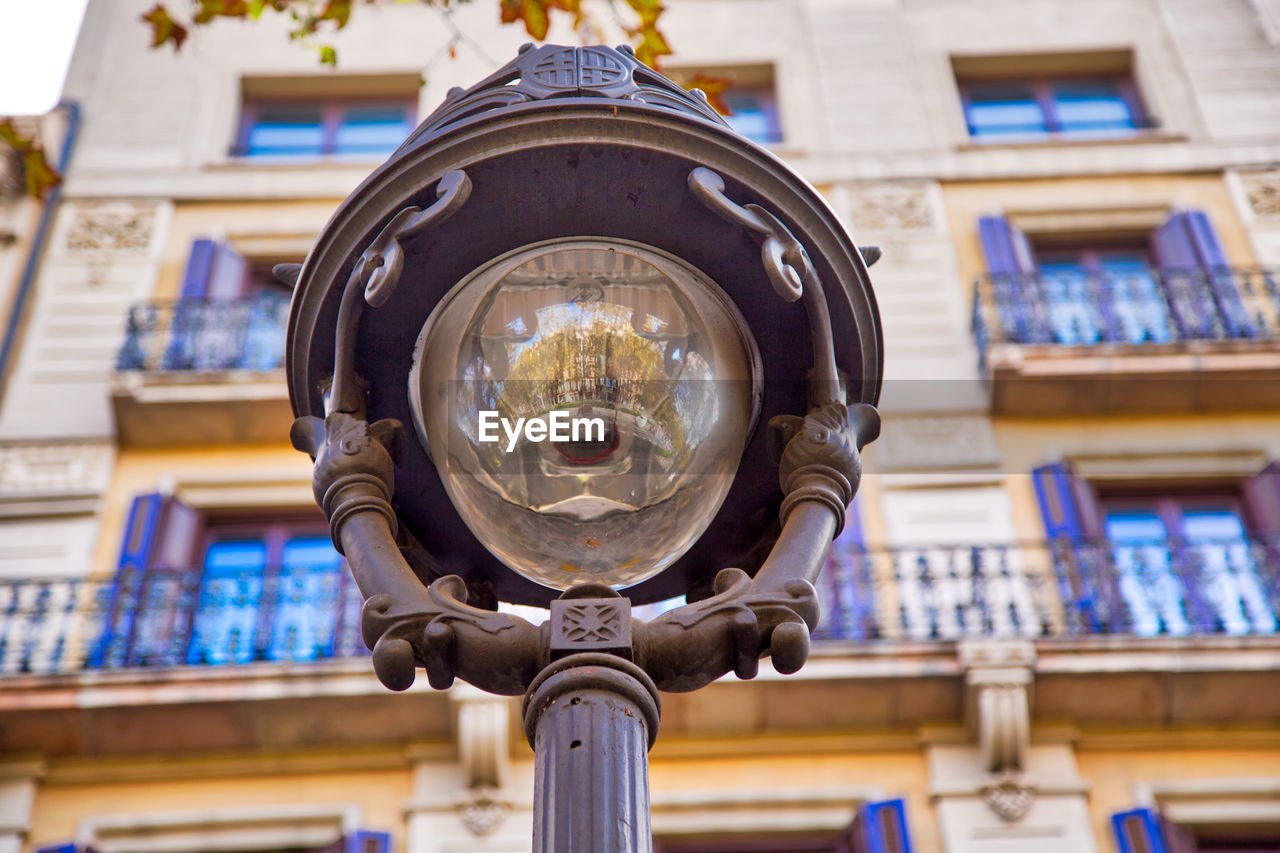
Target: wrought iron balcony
[(1058, 589), (202, 372), (177, 618), (206, 335), (1150, 305), (1061, 341), (1062, 589)]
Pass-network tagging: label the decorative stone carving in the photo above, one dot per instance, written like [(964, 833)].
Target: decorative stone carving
[(998, 676), (1010, 798), (1263, 191), (484, 752), (889, 207), (53, 469), (110, 227), (482, 816)]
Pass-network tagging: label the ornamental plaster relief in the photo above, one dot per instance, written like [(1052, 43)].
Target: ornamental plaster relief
[(1263, 192), (889, 207), (112, 226)]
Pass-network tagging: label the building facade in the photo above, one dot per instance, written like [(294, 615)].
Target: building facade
[(1051, 623)]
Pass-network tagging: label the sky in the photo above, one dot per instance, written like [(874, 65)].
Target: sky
[(36, 39)]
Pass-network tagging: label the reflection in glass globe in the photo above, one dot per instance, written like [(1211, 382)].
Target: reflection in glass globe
[(586, 404)]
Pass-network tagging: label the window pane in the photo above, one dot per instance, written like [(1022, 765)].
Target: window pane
[(754, 116), (307, 600), (226, 616), (296, 130), (372, 130), (1228, 577), (1152, 592), (1005, 109), (1091, 107)]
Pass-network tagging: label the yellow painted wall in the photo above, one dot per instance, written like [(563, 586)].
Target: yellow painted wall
[(1113, 775), (380, 794), (896, 773)]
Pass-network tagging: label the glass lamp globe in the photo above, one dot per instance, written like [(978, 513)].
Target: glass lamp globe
[(586, 404)]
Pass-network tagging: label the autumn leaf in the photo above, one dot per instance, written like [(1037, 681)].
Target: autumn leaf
[(536, 14), (337, 11), (210, 9), (714, 88), (164, 28), (40, 176)]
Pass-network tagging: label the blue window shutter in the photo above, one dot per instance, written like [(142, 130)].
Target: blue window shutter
[(1056, 492), (845, 590), (1073, 526), (140, 532), (195, 281), (364, 841), (1138, 831), (881, 827)]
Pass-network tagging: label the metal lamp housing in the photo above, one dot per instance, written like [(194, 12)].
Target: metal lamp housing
[(566, 145)]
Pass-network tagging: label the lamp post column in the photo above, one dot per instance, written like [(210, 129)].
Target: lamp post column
[(591, 716)]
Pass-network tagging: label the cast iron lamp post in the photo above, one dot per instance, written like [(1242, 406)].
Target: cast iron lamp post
[(577, 239)]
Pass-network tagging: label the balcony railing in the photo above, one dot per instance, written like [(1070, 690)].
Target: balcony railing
[(177, 618), (1150, 305), (1061, 589), (206, 335)]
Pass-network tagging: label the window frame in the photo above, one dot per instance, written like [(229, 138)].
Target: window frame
[(1042, 88), (331, 113)]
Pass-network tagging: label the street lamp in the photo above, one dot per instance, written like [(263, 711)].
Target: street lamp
[(576, 284)]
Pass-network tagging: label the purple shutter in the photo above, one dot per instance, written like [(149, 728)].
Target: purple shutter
[(195, 280), (1262, 494), (1011, 282), (1138, 831), (226, 273), (881, 827), (1199, 284)]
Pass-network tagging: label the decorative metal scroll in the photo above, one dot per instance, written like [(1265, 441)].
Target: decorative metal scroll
[(377, 273), (790, 271)]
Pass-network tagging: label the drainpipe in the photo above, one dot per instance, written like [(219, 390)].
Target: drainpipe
[(38, 242)]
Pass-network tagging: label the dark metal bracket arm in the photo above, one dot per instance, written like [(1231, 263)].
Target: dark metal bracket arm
[(408, 625), (375, 276)]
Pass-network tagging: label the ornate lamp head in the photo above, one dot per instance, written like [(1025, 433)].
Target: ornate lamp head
[(585, 293)]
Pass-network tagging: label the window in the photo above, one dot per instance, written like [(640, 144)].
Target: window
[(1190, 558), (267, 592), (316, 128), (1148, 829), (744, 95), (1027, 108), (1031, 97), (1186, 560), (1169, 282), (212, 589)]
